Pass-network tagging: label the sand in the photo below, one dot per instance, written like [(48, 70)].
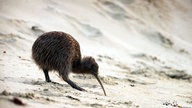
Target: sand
[(143, 49)]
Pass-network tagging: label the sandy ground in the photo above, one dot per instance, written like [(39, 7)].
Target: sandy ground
[(143, 48)]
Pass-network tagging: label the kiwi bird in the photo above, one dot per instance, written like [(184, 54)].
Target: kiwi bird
[(60, 52)]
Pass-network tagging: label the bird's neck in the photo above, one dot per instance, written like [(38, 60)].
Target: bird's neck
[(79, 69)]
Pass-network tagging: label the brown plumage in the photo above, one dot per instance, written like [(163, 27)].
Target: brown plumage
[(59, 51)]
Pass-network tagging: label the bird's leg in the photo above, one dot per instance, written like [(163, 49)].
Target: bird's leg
[(46, 75), (47, 78), (71, 83)]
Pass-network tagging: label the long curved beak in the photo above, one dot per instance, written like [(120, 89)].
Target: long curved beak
[(98, 79)]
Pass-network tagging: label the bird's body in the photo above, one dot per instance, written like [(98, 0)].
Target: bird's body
[(56, 50), (59, 51)]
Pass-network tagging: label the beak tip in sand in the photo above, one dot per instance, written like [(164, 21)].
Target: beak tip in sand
[(100, 84)]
